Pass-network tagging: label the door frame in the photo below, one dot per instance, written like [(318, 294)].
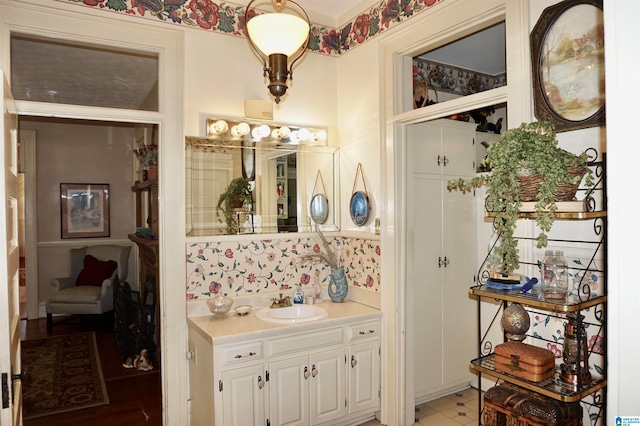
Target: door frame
[(28, 152), (449, 22), (58, 22)]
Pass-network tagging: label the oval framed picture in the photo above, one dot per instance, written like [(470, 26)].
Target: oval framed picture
[(319, 208), (567, 55), (359, 208)]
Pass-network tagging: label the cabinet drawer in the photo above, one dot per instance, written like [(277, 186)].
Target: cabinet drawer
[(305, 341), (235, 354), (363, 330)]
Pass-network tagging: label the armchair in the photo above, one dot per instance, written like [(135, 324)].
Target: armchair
[(96, 298)]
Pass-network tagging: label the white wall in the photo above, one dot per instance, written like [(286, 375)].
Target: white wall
[(74, 152), (221, 72), (622, 36), (358, 109)]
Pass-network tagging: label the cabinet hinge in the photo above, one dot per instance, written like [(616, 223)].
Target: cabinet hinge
[(345, 402), (268, 422), (220, 385), (266, 375)]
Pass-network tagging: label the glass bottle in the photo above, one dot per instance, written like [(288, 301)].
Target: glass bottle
[(555, 275)]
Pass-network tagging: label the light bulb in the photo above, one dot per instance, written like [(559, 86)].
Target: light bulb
[(321, 135), (285, 131), (276, 135), (236, 132), (244, 128), (255, 133), (220, 127), (294, 137), (264, 130), (303, 134)]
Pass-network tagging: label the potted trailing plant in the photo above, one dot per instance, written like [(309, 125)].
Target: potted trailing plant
[(526, 165), (147, 155), (234, 197)]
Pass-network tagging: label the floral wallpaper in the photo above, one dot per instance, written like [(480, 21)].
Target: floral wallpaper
[(260, 266), (456, 80), (229, 18)]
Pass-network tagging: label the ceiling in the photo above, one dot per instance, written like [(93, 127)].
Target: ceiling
[(333, 8)]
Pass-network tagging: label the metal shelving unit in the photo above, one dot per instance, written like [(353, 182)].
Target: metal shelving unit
[(555, 387)]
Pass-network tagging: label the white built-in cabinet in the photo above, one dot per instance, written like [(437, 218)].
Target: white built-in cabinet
[(323, 377), (441, 255)]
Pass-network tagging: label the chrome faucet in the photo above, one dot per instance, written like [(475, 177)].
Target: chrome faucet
[(280, 302)]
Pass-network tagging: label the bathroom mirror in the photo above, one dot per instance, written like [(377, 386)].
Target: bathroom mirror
[(279, 175)]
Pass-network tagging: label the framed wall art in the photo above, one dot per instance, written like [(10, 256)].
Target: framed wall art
[(84, 210), (567, 56)]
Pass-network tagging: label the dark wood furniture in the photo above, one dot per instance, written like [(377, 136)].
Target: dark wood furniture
[(146, 193)]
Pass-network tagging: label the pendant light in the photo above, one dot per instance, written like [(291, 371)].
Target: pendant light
[(276, 37)]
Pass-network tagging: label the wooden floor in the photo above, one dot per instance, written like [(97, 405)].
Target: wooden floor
[(135, 397)]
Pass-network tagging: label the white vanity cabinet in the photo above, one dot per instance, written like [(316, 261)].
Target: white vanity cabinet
[(363, 358), (307, 377), (308, 389), (324, 374)]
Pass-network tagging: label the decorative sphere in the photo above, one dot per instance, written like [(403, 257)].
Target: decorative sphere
[(515, 322)]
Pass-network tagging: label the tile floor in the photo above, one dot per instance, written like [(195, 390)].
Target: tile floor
[(460, 408)]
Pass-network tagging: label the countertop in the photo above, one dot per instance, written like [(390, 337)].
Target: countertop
[(236, 328)]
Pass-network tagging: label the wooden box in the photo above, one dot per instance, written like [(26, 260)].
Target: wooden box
[(524, 361), (510, 405)]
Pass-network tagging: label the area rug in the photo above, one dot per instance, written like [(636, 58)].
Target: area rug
[(61, 374)]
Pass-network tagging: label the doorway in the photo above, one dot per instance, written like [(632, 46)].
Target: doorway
[(167, 44)]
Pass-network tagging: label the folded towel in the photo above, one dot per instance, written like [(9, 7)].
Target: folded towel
[(504, 286)]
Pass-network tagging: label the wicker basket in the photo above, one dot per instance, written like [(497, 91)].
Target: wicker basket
[(530, 184)]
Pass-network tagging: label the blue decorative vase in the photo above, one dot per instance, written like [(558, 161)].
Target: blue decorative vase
[(338, 285)]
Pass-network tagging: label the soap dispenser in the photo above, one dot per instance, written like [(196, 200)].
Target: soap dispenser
[(298, 295)]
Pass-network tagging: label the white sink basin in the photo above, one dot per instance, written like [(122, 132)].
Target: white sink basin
[(292, 314)]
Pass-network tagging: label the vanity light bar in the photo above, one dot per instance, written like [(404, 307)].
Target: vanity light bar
[(224, 129)]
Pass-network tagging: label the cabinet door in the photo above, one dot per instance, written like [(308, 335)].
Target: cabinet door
[(459, 311), (244, 396), (328, 386), (424, 281), (425, 140), (458, 150), (289, 392), (364, 376)]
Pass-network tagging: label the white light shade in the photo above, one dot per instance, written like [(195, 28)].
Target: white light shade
[(278, 32)]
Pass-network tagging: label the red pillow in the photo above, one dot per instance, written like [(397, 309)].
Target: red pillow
[(95, 271)]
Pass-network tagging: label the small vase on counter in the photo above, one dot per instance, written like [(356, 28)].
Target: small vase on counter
[(338, 285)]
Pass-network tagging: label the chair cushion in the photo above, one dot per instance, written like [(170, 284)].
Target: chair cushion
[(95, 271), (81, 294)]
